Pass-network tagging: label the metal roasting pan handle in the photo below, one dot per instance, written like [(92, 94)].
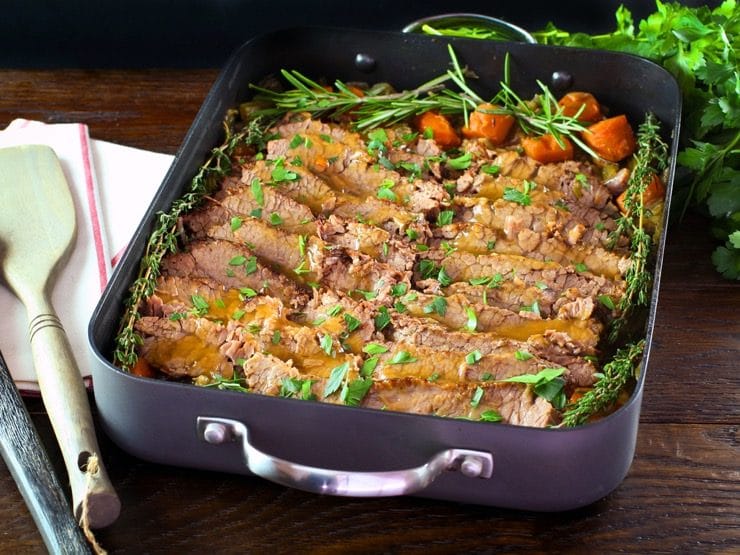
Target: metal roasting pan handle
[(472, 464)]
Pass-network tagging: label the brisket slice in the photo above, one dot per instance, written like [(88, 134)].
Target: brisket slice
[(367, 239), (577, 182), (186, 347), (479, 239), (316, 262), (449, 365), (240, 200), (350, 169), (463, 266), (551, 347), (455, 314), (307, 189), (514, 402), (590, 227), (213, 259)]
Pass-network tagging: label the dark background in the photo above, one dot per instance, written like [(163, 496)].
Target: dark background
[(202, 33)]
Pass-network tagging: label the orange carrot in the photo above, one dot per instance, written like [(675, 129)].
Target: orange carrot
[(573, 101), (143, 369), (545, 149), (442, 131), (612, 138), (483, 124), (654, 193), (357, 91)]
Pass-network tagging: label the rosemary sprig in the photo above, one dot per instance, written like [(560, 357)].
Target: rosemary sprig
[(164, 237), (616, 374), (380, 108), (650, 160)]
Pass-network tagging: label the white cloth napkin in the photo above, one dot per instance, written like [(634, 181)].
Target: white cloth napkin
[(112, 186)]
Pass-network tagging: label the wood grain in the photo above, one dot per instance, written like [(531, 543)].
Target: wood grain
[(682, 494)]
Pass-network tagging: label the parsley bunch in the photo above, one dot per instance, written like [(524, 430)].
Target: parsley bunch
[(699, 46)]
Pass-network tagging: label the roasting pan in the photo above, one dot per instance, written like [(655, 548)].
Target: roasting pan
[(362, 452)]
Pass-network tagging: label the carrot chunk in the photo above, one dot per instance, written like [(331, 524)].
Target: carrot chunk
[(612, 138), (586, 102), (442, 131), (654, 193), (483, 124), (143, 369), (545, 149)]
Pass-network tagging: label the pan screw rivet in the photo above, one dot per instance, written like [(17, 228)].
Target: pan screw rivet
[(215, 433), (364, 62), (561, 79), (472, 467)]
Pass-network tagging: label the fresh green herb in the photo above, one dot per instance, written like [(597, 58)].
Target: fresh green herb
[(616, 374), (444, 278), (421, 247), (280, 173), (336, 378), (607, 301), (490, 169), (487, 376), (399, 289), (490, 281), (477, 397), (447, 248), (534, 307), (369, 295), (580, 267), (522, 355), (301, 268), (237, 260), (600, 226), (433, 377), (336, 310), (302, 241), (472, 322), (236, 223), (374, 349), (296, 141), (327, 343), (351, 322), (382, 319), (368, 367), (355, 391), (259, 195), (275, 219), (276, 336), (237, 314), (520, 197), (295, 387), (427, 268), (445, 217), (438, 305), (250, 266), (560, 203), (460, 163), (402, 357), (473, 357), (200, 305), (490, 416), (411, 234), (546, 383), (236, 382), (385, 191)]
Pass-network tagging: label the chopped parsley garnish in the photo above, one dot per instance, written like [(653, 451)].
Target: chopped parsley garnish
[(301, 268), (275, 219), (352, 322), (385, 191), (302, 241), (200, 305), (276, 337), (489, 281), (374, 349), (443, 277), (490, 169), (257, 192), (368, 367), (382, 319), (336, 310), (445, 217), (427, 268), (534, 307), (327, 343), (236, 223), (581, 267), (607, 301), (402, 357), (336, 378), (472, 322), (477, 397), (295, 387), (438, 305), (461, 162), (520, 197), (523, 355), (412, 234), (547, 383), (433, 377), (490, 416), (399, 289), (473, 357)]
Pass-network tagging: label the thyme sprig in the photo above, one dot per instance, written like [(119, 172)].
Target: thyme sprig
[(650, 160), (164, 237), (615, 376)]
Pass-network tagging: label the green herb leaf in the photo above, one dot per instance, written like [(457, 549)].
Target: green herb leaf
[(490, 416), (438, 305), (473, 357), (336, 378), (351, 322), (236, 223), (523, 355), (461, 162), (382, 319), (374, 349), (327, 343), (256, 188), (472, 322), (368, 367), (445, 217), (275, 219), (402, 357), (477, 397)]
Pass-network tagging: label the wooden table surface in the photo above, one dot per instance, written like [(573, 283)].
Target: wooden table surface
[(682, 494)]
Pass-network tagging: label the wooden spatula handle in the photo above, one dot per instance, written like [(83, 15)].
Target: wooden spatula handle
[(66, 402)]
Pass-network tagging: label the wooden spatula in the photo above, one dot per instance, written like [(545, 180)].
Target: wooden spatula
[(37, 230)]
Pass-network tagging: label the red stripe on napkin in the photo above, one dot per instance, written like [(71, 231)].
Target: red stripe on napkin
[(93, 207)]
